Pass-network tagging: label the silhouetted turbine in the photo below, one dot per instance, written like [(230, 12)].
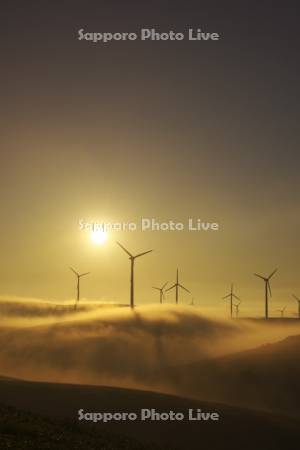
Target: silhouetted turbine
[(176, 286), (282, 311), (161, 292), (78, 275), (298, 300), (132, 259), (267, 290), (237, 308), (231, 296)]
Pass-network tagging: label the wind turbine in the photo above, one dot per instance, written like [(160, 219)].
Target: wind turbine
[(267, 290), (282, 311), (237, 308), (132, 259), (298, 300), (231, 296), (161, 292), (78, 275), (176, 286)]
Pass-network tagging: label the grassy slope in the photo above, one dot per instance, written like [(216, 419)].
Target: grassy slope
[(21, 430), (264, 378), (237, 428)]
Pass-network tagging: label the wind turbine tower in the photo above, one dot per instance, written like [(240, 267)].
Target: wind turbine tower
[(161, 292), (298, 300), (177, 285), (231, 296), (267, 290), (132, 260), (78, 275), (237, 308), (282, 311)]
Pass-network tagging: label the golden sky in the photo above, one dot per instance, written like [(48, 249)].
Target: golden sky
[(160, 130)]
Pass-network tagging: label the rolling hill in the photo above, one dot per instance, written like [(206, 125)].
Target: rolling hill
[(265, 378), (236, 429)]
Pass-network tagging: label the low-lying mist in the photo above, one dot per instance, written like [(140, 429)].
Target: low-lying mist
[(113, 345)]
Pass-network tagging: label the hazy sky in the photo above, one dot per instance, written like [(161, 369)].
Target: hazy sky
[(168, 130)]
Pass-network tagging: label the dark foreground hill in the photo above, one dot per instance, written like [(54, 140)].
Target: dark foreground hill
[(236, 428), (265, 378), (20, 430)]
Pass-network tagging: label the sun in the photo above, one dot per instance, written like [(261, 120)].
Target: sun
[(99, 237)]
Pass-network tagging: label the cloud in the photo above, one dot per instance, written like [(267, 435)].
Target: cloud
[(116, 346)]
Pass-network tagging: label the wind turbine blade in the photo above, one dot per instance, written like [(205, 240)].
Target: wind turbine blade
[(226, 296), (142, 254), (296, 298), (74, 271), (269, 287), (83, 274), (125, 250), (182, 287), (235, 296), (273, 273), (172, 287), (259, 276), (164, 285), (153, 287)]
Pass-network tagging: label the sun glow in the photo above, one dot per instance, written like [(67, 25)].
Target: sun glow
[(99, 237)]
